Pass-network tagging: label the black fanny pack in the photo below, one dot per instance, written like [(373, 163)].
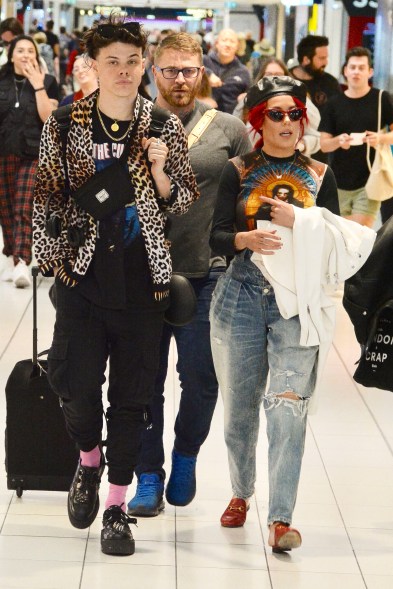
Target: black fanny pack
[(107, 191), (110, 189)]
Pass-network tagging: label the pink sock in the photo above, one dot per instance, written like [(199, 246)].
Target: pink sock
[(117, 496), (91, 458)]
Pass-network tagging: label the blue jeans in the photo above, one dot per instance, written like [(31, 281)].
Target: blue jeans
[(199, 388), (249, 340)]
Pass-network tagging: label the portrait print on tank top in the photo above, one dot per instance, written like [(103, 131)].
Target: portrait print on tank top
[(290, 179)]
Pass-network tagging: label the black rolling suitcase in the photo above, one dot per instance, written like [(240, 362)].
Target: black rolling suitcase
[(38, 451)]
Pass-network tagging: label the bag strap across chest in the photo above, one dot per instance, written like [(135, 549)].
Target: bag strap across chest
[(201, 127), (378, 128)]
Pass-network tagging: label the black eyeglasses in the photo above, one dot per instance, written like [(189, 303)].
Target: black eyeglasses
[(294, 114), (5, 43), (109, 31), (171, 73)]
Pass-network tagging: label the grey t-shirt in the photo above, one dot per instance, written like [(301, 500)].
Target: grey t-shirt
[(224, 138)]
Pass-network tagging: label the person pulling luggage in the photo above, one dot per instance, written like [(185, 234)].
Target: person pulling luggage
[(113, 270)]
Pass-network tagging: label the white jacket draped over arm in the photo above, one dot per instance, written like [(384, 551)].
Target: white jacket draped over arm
[(319, 252)]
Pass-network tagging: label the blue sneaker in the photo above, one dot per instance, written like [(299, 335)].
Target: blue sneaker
[(148, 501), (181, 487)]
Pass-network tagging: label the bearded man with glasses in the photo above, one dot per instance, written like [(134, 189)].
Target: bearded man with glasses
[(112, 272), (178, 71)]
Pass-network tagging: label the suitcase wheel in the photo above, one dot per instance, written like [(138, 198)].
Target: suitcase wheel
[(19, 491)]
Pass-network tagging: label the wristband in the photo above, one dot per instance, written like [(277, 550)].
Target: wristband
[(38, 89)]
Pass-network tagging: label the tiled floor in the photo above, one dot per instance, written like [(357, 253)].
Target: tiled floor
[(344, 509)]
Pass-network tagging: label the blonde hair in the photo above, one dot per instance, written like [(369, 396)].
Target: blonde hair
[(179, 42)]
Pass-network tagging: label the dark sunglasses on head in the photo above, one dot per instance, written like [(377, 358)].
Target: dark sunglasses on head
[(294, 114), (109, 31)]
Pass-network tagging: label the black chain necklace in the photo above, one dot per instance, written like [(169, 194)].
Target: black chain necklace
[(288, 166)]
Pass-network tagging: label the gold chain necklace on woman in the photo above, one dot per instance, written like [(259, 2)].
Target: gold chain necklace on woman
[(114, 127), (288, 167)]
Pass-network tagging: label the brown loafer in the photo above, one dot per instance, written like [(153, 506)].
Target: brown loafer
[(235, 514), (282, 538)]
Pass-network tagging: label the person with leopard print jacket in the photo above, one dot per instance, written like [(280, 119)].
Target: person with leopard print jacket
[(112, 276), (74, 262)]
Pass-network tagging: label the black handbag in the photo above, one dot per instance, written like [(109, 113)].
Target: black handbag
[(107, 191), (375, 367)]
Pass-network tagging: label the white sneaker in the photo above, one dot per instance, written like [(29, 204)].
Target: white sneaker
[(8, 269), (21, 275)]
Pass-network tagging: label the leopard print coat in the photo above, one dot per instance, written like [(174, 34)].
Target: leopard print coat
[(74, 262)]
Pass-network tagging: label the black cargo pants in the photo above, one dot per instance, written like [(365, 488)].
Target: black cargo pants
[(85, 337)]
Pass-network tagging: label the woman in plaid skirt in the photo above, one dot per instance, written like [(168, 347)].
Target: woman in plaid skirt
[(27, 98)]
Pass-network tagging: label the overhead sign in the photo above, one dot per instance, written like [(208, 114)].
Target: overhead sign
[(361, 7)]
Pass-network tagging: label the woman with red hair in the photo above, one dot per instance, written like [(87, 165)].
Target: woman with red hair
[(263, 308)]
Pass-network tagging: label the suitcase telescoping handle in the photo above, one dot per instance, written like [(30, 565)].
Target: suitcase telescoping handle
[(35, 271)]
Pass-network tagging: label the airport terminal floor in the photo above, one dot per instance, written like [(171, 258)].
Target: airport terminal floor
[(344, 509)]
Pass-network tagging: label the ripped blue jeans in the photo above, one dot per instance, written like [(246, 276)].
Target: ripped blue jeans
[(250, 340)]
